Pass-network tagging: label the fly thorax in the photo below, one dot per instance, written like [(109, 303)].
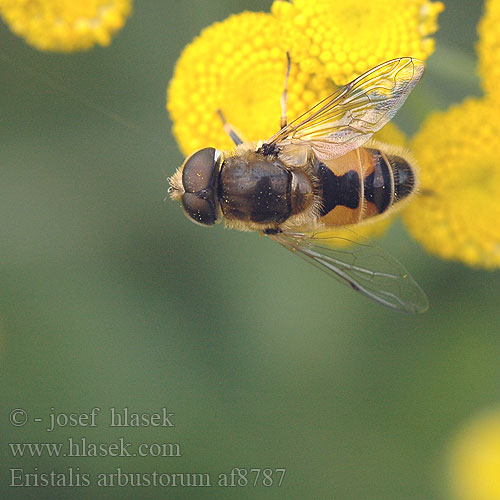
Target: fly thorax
[(255, 189)]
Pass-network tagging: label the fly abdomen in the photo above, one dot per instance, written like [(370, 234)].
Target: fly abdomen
[(379, 184), (363, 183), (343, 190), (405, 181), (391, 180)]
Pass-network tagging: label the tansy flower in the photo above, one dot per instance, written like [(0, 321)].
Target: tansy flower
[(343, 39), (237, 67), (65, 25), (457, 216), (488, 48), (475, 459)]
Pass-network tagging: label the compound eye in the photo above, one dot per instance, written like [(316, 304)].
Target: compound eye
[(199, 209), (198, 172)]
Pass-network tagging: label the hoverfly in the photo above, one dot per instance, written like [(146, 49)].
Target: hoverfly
[(315, 175)]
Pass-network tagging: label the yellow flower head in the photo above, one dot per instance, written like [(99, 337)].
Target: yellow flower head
[(65, 25), (489, 48), (343, 39), (475, 459), (237, 67), (457, 216)]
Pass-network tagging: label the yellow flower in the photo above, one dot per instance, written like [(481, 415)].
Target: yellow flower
[(343, 39), (237, 67), (65, 25), (475, 459), (457, 216), (488, 48)]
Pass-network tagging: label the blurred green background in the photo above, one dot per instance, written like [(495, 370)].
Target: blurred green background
[(110, 297)]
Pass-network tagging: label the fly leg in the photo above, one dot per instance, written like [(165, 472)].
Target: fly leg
[(229, 129), (284, 94)]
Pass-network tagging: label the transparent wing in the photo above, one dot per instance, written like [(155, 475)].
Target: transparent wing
[(363, 266), (349, 117)]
